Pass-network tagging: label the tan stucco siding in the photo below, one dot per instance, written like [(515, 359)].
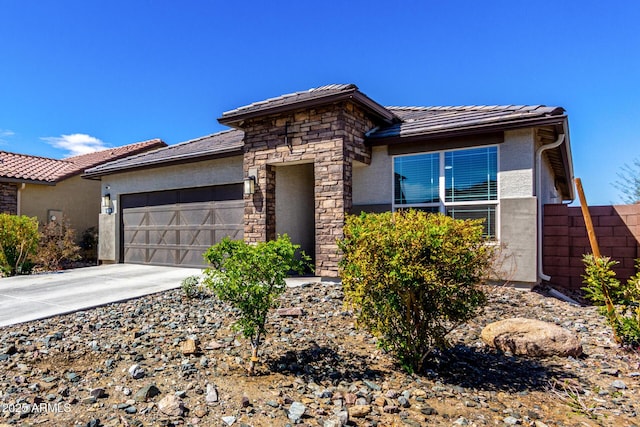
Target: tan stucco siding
[(199, 174), (372, 184), (77, 198)]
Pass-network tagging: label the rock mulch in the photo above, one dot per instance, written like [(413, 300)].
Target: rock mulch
[(165, 360)]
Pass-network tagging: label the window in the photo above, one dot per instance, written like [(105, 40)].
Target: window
[(459, 183)]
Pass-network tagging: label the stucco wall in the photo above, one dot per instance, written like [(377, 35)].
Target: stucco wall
[(295, 205), (77, 198), (372, 184), (518, 240), (210, 172), (515, 176)]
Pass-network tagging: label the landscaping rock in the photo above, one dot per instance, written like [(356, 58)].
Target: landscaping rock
[(171, 405), (189, 346), (531, 337)]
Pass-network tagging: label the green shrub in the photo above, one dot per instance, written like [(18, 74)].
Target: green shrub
[(620, 303), (57, 245), (192, 287), (413, 277), (18, 241), (250, 277)]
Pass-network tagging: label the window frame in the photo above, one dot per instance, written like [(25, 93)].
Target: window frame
[(442, 204)]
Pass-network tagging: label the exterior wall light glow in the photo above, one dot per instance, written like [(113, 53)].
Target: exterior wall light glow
[(249, 185)]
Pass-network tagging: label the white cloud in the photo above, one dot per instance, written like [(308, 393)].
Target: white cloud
[(76, 144), (5, 133)]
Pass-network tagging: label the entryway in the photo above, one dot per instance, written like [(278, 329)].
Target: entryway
[(295, 205)]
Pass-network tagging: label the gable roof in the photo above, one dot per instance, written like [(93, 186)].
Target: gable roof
[(221, 144), (313, 97), (437, 121), (16, 167)]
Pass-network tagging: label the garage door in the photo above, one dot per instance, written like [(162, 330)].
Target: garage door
[(176, 227)]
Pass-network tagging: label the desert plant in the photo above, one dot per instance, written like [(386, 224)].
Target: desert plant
[(18, 241), (413, 277), (57, 245), (619, 303), (192, 287), (251, 277)]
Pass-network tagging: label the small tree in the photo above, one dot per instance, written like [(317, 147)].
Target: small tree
[(619, 303), (18, 241), (413, 277), (250, 277), (629, 182)]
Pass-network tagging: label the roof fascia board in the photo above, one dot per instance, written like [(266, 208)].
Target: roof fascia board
[(187, 158), (234, 119), (27, 181), (467, 130)]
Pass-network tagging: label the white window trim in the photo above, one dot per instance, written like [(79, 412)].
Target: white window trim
[(441, 204)]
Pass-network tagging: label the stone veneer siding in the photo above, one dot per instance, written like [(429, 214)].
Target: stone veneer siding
[(8, 198), (331, 137)]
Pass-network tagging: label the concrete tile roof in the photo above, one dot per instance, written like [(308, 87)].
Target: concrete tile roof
[(292, 98), (24, 167), (417, 121), (306, 99), (224, 143)]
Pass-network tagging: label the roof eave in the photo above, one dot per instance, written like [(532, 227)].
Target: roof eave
[(26, 181), (187, 158), (235, 119), (466, 130)]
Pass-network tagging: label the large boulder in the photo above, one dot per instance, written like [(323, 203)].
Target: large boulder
[(531, 337)]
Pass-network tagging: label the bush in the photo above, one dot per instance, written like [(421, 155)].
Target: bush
[(18, 241), (413, 277), (620, 303), (250, 277), (89, 244), (57, 245), (192, 287)]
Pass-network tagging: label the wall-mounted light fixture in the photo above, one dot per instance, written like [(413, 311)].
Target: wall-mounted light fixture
[(106, 203), (249, 185)]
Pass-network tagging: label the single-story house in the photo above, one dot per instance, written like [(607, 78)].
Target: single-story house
[(50, 188), (299, 163)]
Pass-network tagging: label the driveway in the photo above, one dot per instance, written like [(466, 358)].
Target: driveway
[(25, 298)]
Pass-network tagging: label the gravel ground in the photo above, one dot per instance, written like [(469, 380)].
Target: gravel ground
[(134, 364)]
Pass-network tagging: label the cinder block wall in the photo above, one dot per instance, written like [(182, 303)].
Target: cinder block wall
[(617, 229)]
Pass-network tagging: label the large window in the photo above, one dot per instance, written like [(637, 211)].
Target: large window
[(459, 183)]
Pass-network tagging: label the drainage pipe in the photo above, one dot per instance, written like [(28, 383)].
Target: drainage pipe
[(539, 152)]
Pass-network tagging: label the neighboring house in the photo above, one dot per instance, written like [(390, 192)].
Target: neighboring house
[(49, 188), (313, 157)]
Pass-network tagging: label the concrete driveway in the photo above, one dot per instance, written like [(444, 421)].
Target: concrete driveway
[(25, 298)]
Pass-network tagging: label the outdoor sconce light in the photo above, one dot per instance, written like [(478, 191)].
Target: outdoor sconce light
[(106, 203), (249, 185)]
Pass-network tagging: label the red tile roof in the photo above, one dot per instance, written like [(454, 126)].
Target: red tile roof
[(24, 167)]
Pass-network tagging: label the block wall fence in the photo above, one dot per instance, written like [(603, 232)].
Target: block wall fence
[(617, 230)]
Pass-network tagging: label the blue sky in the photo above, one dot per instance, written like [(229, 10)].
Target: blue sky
[(82, 75)]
